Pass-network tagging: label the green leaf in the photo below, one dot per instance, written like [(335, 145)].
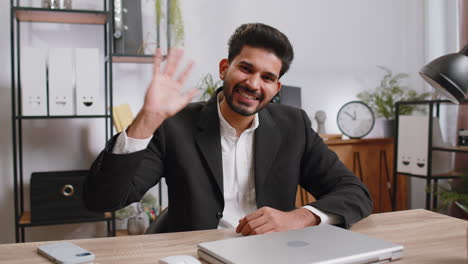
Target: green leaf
[(463, 207), (458, 193), (209, 86), (382, 99)]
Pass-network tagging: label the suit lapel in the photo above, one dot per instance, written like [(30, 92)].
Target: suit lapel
[(209, 141), (266, 145), (267, 142)]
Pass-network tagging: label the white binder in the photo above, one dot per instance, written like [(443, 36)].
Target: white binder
[(413, 140), (61, 81), (87, 74), (33, 81)]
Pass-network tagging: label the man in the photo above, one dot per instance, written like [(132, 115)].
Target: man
[(234, 161)]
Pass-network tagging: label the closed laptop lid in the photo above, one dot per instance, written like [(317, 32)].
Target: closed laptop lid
[(317, 244)]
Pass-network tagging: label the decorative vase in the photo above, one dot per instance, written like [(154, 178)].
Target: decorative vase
[(57, 4), (121, 224), (137, 225), (388, 127)]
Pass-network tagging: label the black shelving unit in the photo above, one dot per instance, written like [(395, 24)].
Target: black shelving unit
[(18, 15), (431, 179), (139, 59)]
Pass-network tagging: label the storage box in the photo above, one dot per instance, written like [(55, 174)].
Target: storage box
[(58, 196)]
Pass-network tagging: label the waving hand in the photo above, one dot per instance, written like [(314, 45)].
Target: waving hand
[(163, 97)]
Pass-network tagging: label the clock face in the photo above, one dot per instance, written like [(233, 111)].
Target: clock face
[(355, 119)]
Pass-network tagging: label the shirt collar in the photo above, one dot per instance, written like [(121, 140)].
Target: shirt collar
[(225, 128)]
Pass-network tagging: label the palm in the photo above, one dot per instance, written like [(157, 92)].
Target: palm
[(164, 92)]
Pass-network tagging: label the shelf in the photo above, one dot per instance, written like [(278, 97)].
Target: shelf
[(448, 175), (62, 117), (358, 141), (71, 16), (132, 58), (452, 149), (433, 107), (25, 220), (429, 102), (79, 17), (121, 232)]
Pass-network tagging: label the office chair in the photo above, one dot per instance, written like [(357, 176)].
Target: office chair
[(160, 225)]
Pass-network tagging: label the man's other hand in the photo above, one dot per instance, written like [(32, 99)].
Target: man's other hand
[(267, 220)]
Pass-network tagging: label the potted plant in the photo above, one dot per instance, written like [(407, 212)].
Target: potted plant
[(137, 216), (382, 99), (122, 216), (455, 198), (209, 86)]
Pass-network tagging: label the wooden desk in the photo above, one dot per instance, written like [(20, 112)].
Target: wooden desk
[(427, 237)]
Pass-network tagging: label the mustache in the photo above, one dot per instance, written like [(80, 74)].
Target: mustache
[(250, 91)]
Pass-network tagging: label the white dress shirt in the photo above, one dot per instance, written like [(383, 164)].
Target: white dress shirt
[(238, 173)]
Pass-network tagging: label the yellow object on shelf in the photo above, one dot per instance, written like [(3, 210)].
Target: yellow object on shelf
[(122, 116)]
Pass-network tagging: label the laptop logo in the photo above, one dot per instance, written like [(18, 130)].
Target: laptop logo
[(297, 243)]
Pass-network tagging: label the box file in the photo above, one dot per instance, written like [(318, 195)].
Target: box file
[(87, 81), (60, 66), (33, 81), (413, 144)]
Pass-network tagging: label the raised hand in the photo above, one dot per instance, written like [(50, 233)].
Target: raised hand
[(163, 97)]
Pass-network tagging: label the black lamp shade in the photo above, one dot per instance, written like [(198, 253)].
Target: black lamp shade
[(449, 75)]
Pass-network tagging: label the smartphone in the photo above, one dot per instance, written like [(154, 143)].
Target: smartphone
[(65, 253)]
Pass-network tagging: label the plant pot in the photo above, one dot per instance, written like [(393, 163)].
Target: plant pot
[(121, 224), (136, 225), (388, 127)]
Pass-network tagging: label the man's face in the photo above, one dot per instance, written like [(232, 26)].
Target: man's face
[(250, 80)]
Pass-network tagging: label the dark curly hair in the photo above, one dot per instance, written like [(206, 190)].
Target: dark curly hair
[(259, 35)]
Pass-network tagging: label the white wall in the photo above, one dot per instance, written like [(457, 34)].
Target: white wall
[(338, 44)]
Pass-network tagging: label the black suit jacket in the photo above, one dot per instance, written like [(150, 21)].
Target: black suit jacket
[(186, 150)]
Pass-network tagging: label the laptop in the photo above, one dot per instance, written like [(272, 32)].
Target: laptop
[(318, 244)]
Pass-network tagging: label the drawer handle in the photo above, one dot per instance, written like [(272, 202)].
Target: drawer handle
[(68, 190)]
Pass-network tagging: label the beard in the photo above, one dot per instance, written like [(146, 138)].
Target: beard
[(240, 107)]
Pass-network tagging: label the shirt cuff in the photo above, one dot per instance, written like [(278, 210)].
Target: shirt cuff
[(125, 144), (325, 218)]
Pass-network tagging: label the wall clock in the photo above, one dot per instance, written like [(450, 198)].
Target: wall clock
[(355, 119)]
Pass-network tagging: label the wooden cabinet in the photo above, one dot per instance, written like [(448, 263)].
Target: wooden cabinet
[(371, 160)]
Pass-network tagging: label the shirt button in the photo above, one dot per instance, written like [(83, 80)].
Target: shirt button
[(219, 215)]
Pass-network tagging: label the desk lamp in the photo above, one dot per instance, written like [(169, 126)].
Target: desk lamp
[(449, 75)]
